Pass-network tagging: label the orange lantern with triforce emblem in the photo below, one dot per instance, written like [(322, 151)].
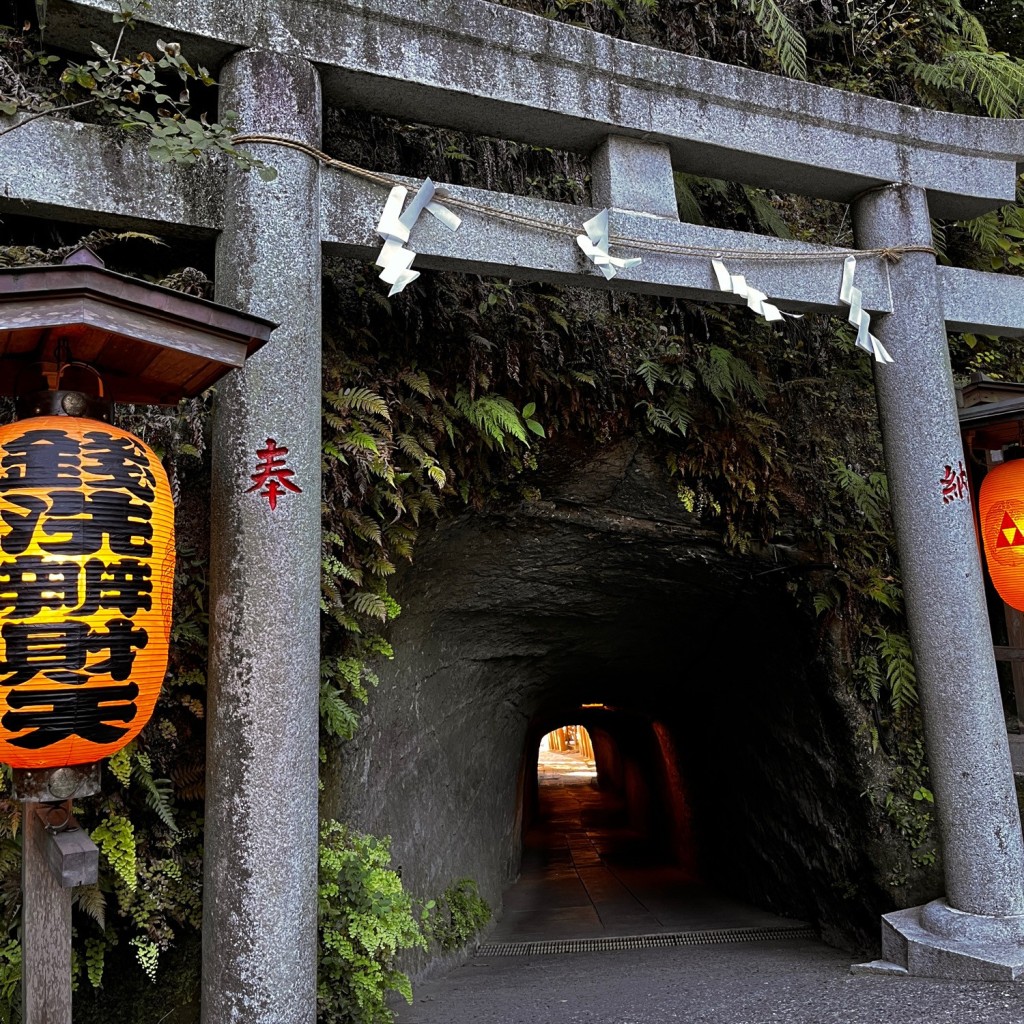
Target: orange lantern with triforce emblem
[(1001, 518)]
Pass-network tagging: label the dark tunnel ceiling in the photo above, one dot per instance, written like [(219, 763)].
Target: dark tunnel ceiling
[(570, 615)]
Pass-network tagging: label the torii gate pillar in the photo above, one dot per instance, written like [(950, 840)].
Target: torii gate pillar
[(977, 930), (259, 905)]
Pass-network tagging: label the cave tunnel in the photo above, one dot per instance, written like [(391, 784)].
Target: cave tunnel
[(715, 729)]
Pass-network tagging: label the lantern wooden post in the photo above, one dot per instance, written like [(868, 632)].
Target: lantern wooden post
[(46, 931), (56, 856)]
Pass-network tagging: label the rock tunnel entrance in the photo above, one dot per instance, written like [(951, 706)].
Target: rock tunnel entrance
[(610, 838), (713, 719)]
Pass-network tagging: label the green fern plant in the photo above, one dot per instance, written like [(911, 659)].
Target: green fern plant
[(115, 836), (789, 44), (452, 919)]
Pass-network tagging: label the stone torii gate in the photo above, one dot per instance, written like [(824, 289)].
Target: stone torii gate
[(641, 112)]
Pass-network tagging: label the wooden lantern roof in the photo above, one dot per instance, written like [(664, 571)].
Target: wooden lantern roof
[(149, 344), (991, 413)]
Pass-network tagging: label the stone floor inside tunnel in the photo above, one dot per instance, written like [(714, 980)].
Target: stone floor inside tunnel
[(587, 875)]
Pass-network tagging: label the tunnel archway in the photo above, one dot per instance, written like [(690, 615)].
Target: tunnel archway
[(637, 781), (717, 716)]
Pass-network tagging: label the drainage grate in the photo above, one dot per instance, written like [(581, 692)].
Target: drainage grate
[(706, 938)]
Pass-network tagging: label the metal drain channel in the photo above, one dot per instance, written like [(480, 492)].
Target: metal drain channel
[(705, 938)]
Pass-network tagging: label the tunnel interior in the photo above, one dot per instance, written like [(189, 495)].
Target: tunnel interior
[(697, 674)]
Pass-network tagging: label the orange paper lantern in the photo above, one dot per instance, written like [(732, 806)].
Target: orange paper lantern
[(86, 581), (1001, 515)]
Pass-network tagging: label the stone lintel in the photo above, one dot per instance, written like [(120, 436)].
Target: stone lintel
[(981, 302), (487, 245), (64, 170), (485, 68), (40, 176)]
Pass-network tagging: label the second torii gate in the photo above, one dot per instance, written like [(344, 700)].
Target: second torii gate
[(642, 113)]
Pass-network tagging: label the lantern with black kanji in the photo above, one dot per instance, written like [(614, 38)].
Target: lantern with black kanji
[(86, 581), (86, 528), (1001, 518)]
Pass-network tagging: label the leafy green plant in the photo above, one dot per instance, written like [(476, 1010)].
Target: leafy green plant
[(115, 836), (454, 917), (365, 919), (10, 982), (145, 93)]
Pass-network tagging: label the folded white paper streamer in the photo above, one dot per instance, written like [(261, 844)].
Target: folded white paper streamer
[(394, 227), (859, 317), (595, 244), (756, 300)]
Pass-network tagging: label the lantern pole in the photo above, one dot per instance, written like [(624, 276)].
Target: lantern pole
[(56, 856)]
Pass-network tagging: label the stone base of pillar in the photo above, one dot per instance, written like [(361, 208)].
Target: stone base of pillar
[(937, 941)]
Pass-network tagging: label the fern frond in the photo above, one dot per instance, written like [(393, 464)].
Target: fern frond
[(899, 668), (725, 375), (337, 716), (790, 45), (362, 526), (361, 400), (765, 214), (369, 604), (159, 792), (93, 903), (994, 80), (418, 381)]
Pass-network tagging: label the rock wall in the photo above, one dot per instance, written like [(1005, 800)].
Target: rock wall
[(720, 719)]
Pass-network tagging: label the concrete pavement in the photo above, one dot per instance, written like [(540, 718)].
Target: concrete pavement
[(585, 876), (782, 982)]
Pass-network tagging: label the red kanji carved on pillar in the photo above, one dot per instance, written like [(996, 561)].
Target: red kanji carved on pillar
[(954, 484), (272, 473)]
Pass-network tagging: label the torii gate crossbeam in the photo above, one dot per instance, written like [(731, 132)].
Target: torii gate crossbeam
[(643, 112)]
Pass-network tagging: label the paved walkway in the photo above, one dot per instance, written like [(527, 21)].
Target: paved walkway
[(585, 875)]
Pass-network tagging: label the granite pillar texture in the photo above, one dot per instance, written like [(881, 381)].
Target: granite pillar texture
[(259, 910), (965, 732)]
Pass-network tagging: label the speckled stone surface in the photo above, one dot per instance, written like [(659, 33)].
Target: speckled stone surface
[(633, 175), (82, 172), (486, 244), (41, 175), (965, 733), (486, 68), (259, 909)]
